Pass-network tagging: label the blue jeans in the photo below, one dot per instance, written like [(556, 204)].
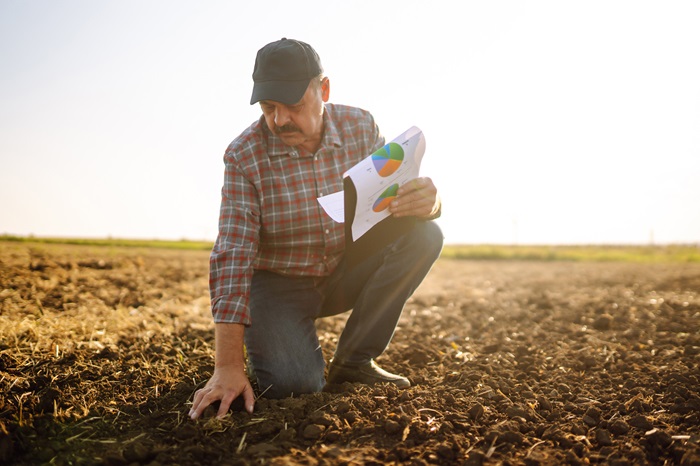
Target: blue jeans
[(282, 343)]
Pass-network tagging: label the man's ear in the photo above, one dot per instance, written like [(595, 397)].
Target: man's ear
[(325, 89)]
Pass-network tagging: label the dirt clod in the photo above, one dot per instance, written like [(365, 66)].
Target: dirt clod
[(312, 432), (619, 427), (392, 427), (603, 438), (592, 416)]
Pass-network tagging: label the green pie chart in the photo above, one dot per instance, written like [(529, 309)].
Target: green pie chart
[(388, 159), (385, 198)]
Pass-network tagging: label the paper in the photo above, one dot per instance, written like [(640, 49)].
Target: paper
[(334, 206), (377, 178)]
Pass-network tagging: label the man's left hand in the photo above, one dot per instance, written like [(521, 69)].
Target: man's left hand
[(417, 198)]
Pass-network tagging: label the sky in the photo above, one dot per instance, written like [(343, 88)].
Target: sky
[(546, 122)]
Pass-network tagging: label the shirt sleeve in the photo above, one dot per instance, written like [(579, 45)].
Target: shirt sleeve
[(379, 140), (231, 260)]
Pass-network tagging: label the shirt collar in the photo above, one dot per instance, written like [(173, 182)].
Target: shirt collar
[(331, 137)]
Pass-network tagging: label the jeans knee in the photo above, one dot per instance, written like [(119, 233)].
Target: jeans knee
[(279, 387), (430, 238), (287, 381)]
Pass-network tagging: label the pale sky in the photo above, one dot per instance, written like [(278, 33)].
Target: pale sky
[(546, 122)]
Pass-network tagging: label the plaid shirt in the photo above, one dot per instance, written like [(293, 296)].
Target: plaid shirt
[(270, 218)]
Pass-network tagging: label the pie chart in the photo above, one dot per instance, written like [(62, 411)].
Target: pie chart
[(388, 159), (385, 198)]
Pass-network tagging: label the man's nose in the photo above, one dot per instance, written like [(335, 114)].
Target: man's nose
[(281, 116)]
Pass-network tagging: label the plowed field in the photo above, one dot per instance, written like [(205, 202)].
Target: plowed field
[(535, 363)]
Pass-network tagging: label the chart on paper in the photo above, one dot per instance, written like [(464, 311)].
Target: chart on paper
[(378, 177), (385, 198), (388, 159)]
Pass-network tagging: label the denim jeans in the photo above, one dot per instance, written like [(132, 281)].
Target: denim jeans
[(282, 344)]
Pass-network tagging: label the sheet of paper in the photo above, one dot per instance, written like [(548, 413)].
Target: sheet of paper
[(334, 206), (378, 177)]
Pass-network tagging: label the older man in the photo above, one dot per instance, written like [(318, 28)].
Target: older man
[(278, 262)]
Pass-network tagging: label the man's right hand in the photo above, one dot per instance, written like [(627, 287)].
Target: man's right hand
[(227, 384), (230, 379)]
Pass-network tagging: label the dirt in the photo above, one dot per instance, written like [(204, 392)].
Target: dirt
[(534, 363)]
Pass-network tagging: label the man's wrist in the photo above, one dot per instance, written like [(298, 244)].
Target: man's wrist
[(229, 345)]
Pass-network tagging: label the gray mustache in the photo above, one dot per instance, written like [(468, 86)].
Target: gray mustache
[(288, 128)]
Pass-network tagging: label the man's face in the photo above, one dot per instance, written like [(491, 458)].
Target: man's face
[(300, 124)]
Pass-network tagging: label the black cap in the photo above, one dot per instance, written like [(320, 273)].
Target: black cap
[(283, 70)]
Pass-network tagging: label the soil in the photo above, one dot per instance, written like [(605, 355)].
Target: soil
[(534, 363)]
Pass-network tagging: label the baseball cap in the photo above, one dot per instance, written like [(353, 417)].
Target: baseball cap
[(283, 70)]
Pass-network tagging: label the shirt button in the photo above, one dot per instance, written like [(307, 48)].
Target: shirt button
[(328, 231), (320, 194), (325, 257)]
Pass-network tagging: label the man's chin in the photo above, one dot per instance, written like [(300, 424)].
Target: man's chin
[(291, 139)]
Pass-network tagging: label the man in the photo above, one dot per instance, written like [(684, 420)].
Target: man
[(277, 264)]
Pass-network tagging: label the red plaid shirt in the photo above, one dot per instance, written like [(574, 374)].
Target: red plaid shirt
[(270, 218)]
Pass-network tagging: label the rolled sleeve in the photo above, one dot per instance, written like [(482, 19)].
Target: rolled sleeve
[(231, 260)]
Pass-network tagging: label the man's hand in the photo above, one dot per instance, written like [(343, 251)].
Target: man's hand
[(417, 198), (230, 379), (227, 384)]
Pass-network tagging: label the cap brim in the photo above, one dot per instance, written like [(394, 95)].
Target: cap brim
[(286, 92)]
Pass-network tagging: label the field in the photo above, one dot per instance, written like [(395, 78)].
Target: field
[(535, 362)]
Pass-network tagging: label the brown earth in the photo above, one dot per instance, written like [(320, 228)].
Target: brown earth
[(527, 363)]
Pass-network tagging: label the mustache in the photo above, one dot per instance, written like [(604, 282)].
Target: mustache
[(288, 128)]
